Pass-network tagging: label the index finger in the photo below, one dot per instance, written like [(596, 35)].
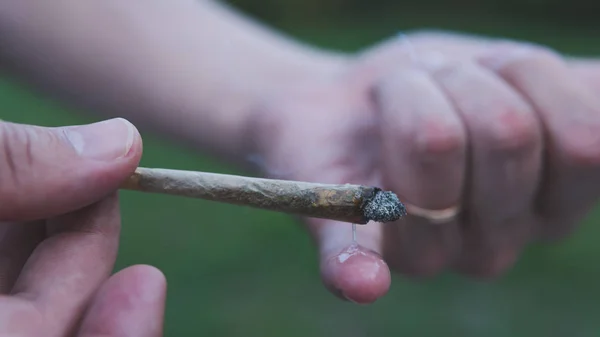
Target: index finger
[(66, 269)]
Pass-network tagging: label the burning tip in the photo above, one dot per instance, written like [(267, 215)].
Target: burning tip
[(384, 207)]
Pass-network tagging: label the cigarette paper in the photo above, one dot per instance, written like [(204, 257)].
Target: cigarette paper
[(345, 202)]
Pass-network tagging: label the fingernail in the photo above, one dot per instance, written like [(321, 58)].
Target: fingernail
[(106, 140)]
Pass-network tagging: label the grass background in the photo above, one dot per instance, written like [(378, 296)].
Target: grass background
[(240, 272)]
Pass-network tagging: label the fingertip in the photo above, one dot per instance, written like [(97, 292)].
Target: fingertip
[(131, 303), (146, 283), (104, 141), (111, 149), (152, 276), (357, 274)]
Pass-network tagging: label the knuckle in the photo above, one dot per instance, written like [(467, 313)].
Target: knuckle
[(580, 146), (437, 137), (513, 130), (395, 90), (17, 142), (21, 169)]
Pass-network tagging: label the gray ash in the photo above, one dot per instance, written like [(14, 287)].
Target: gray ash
[(384, 207)]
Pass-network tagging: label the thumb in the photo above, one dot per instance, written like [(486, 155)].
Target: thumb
[(45, 171), (351, 270)]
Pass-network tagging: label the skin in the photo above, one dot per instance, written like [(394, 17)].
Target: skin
[(507, 130), (58, 253)]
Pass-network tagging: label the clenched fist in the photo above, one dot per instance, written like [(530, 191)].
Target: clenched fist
[(491, 145)]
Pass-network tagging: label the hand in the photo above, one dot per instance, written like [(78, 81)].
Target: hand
[(59, 234), (506, 133)]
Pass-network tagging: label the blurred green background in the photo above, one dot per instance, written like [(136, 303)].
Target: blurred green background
[(240, 272)]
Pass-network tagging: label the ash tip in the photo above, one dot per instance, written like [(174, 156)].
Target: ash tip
[(384, 207)]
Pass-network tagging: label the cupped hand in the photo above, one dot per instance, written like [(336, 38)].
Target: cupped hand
[(59, 234), (505, 133)]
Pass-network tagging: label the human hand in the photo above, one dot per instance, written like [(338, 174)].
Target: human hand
[(59, 234), (508, 134)]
